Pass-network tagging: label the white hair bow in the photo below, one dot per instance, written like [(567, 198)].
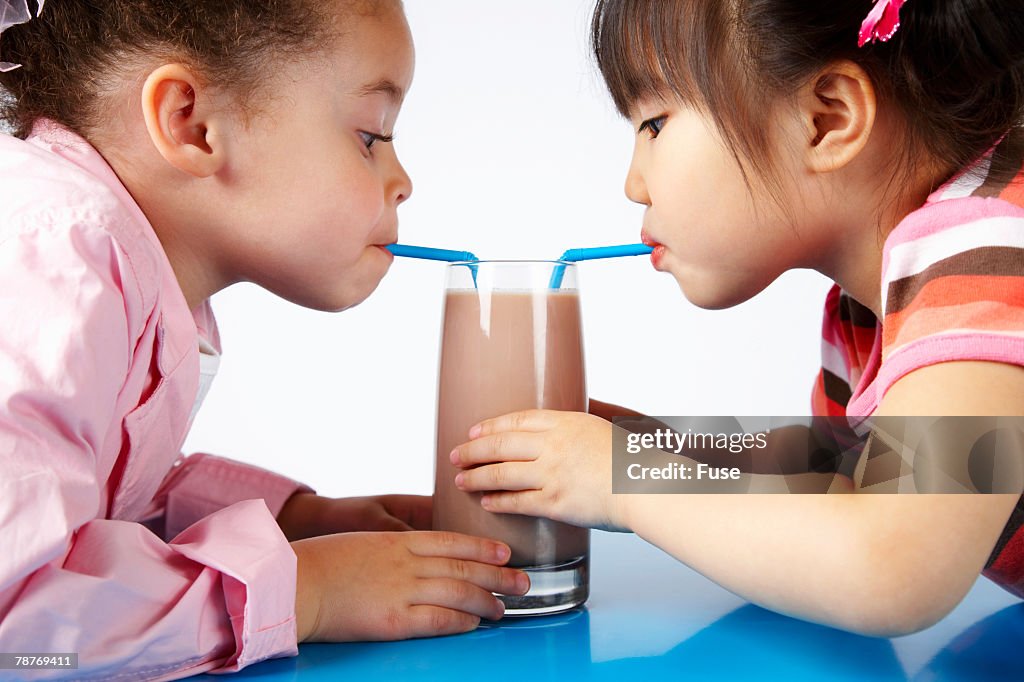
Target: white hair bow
[(14, 12)]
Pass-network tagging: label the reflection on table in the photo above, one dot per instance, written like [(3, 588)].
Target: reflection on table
[(650, 617)]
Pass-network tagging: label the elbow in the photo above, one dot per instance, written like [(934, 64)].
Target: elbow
[(892, 618), (893, 598)]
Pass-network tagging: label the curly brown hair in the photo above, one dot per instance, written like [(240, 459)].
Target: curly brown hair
[(78, 51)]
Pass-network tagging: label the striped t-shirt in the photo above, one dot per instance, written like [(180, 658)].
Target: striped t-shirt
[(952, 289)]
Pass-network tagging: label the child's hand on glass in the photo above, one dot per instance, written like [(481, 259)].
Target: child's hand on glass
[(307, 515), (543, 463), (385, 586)]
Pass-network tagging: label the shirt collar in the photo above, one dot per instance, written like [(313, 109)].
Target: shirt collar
[(178, 326)]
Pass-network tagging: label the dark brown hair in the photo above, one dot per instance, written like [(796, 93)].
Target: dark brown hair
[(954, 70), (76, 51)]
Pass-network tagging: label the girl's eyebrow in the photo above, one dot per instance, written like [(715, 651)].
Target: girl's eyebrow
[(384, 87)]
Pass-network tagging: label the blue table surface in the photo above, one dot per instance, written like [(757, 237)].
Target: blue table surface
[(649, 616)]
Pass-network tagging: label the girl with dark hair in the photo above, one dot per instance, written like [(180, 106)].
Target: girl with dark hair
[(880, 145)]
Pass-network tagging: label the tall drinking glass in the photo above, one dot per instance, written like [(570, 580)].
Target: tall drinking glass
[(510, 342)]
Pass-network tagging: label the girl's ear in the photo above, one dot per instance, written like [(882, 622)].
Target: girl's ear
[(182, 121), (838, 110)]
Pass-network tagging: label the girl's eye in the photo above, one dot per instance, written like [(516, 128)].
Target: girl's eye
[(653, 126), (370, 138)]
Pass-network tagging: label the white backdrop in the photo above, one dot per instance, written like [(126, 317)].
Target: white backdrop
[(515, 151)]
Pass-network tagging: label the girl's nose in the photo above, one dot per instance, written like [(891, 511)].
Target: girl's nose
[(401, 184), (636, 188)]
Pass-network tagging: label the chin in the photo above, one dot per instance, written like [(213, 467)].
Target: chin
[(712, 295), (346, 295), (709, 302), (358, 280), (352, 294), (349, 297)]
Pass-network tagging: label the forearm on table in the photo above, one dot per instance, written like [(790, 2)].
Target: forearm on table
[(299, 516), (875, 564)]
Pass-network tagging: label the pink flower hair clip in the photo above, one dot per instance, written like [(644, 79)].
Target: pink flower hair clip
[(13, 12), (882, 22)]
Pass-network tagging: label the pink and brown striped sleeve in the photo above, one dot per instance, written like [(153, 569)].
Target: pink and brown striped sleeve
[(953, 289)]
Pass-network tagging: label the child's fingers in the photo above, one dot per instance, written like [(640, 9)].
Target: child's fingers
[(503, 476), (489, 577), (608, 411), (498, 447), (426, 620), (525, 420), (457, 546), (415, 510), (527, 502), (642, 424), (459, 595)]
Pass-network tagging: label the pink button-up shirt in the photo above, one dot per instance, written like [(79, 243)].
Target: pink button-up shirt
[(148, 564)]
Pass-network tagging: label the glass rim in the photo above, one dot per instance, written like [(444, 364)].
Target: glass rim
[(514, 261)]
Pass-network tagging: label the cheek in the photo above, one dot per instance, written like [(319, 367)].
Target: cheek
[(686, 203), (364, 200), (719, 202), (361, 219), (327, 182), (350, 205)]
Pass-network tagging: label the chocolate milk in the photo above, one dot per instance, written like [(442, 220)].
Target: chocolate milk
[(503, 351)]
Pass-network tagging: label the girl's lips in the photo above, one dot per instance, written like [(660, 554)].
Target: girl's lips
[(659, 249), (646, 239), (385, 250), (657, 255)]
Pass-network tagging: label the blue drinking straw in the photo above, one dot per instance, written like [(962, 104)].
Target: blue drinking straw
[(575, 255), (430, 253)]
